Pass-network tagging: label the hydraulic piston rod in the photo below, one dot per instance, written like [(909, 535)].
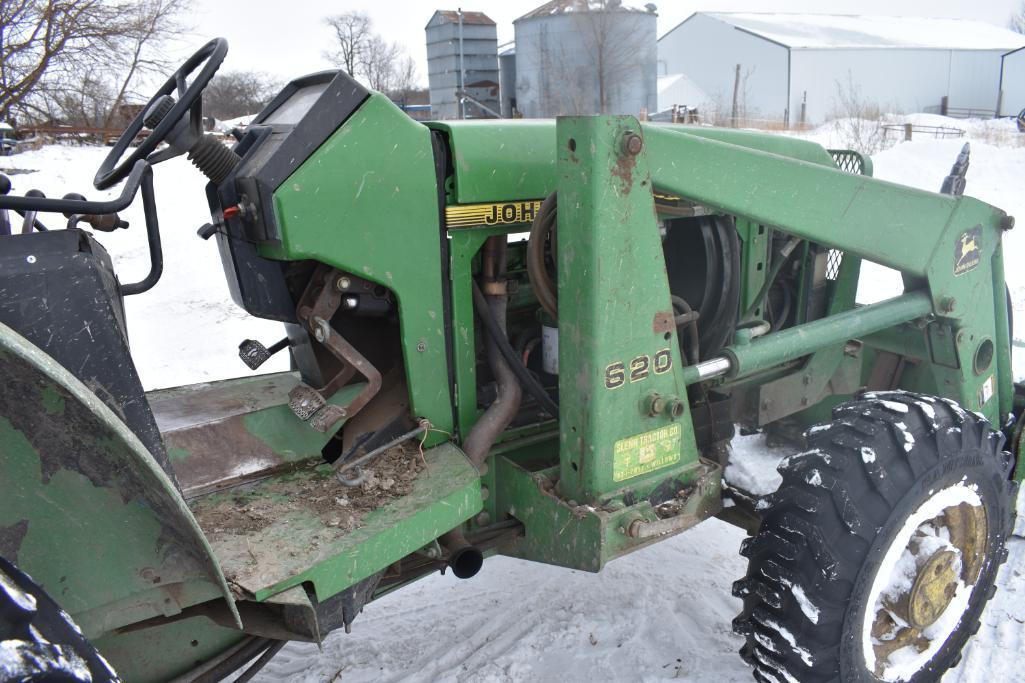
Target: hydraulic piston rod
[(772, 350)]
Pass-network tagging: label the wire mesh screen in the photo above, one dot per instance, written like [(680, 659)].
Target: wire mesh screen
[(855, 163), (833, 261), (848, 161)]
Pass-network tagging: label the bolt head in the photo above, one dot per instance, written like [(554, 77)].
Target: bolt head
[(421, 346), (675, 408), (632, 143), (343, 283)]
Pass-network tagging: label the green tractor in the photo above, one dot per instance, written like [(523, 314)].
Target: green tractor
[(460, 389)]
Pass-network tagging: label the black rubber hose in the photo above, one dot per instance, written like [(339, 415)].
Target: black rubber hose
[(784, 256), (506, 405), (691, 325), (541, 229), (525, 379), (228, 662), (258, 665)]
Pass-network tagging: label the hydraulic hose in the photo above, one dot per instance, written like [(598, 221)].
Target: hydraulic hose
[(541, 229), (690, 320), (784, 256), (495, 333), (503, 409)]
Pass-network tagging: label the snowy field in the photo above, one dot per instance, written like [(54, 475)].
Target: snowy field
[(662, 613)]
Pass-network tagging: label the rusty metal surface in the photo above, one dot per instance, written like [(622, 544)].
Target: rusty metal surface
[(318, 304), (222, 434)]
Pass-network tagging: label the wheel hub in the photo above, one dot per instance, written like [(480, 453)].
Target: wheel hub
[(924, 583), (933, 588)]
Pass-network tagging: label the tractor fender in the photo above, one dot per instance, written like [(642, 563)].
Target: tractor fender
[(84, 507)]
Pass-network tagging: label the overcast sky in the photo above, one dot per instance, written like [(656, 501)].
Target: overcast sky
[(286, 38)]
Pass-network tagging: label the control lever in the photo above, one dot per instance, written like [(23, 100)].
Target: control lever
[(254, 354), (104, 222), (30, 216)]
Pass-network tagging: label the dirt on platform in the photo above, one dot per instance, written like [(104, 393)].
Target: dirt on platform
[(313, 489)]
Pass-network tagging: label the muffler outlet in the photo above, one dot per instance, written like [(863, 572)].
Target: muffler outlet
[(463, 559)]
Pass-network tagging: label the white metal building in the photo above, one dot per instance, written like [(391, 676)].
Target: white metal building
[(791, 63), (1012, 82)]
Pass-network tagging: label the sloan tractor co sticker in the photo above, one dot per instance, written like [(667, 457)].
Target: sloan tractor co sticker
[(968, 251), (647, 452)]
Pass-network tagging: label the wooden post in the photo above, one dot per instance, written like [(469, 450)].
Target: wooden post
[(944, 105), (907, 131)]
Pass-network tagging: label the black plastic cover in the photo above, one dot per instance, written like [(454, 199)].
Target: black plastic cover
[(274, 146), (59, 291)]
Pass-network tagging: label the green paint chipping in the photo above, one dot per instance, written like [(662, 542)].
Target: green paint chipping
[(177, 454), (53, 403)]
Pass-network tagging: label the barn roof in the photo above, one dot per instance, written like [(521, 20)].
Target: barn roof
[(818, 31)]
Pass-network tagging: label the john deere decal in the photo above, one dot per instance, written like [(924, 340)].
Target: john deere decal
[(968, 251)]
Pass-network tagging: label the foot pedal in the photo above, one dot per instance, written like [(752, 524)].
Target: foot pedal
[(309, 406), (254, 354), (305, 402)]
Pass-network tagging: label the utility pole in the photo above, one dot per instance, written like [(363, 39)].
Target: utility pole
[(462, 70), (736, 89)]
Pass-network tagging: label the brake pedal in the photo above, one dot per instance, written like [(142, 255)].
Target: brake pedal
[(254, 354)]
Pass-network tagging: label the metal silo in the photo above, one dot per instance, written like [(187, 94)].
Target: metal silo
[(586, 57), (462, 65), (507, 80)]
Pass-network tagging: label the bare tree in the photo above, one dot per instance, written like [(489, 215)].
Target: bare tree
[(857, 121), (589, 81), (612, 46), (78, 60), (238, 93), (352, 32), (1017, 21), (45, 38), (379, 63), (150, 25), (404, 80)]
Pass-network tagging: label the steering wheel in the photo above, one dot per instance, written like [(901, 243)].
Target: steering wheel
[(162, 114)]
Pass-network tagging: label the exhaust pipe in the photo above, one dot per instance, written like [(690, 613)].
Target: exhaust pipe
[(464, 559)]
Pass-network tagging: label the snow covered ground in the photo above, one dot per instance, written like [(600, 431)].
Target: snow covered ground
[(661, 613)]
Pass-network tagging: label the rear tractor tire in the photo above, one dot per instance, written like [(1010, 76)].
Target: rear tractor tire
[(878, 552)]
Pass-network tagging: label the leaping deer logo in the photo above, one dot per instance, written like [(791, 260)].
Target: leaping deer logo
[(968, 247), (968, 251)]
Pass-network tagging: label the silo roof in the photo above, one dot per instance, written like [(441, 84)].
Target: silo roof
[(817, 31), (570, 6), (452, 17)]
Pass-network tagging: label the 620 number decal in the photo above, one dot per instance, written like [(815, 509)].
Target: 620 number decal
[(619, 373)]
